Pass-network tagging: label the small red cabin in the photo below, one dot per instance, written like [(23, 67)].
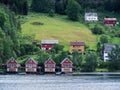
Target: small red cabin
[(12, 65), (66, 65), (48, 44), (110, 21), (49, 65), (31, 65)]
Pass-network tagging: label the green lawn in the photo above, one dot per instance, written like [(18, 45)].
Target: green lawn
[(58, 27)]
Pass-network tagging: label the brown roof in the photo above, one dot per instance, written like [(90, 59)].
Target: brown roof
[(77, 43)]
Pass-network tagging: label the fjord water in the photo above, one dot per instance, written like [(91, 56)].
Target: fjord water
[(59, 82)]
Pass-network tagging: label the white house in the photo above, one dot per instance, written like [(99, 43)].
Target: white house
[(107, 49), (91, 17)]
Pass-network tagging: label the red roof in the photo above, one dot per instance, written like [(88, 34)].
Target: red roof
[(12, 61), (49, 61), (66, 61), (31, 61), (77, 43)]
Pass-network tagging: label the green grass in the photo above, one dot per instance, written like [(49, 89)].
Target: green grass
[(101, 70), (58, 27)]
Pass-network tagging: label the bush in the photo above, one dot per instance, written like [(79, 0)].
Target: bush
[(113, 65), (97, 30), (51, 13)]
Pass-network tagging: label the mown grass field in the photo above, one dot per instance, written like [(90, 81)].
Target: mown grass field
[(58, 27)]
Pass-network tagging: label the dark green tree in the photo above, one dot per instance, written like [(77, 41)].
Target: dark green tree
[(43, 56), (2, 19), (60, 7), (77, 58), (18, 6), (73, 10), (9, 35), (104, 39), (42, 5), (97, 30), (51, 13), (90, 62), (57, 48), (114, 59), (25, 7), (114, 55)]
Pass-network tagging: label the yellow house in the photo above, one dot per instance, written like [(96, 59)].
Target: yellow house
[(77, 46)]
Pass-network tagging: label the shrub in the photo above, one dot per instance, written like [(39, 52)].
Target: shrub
[(97, 30)]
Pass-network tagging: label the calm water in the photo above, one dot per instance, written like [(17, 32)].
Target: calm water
[(63, 82)]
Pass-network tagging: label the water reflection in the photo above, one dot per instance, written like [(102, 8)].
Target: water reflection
[(63, 82)]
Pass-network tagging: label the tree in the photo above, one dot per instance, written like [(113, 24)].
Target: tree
[(58, 57), (9, 35), (18, 6), (104, 39), (108, 5), (60, 7), (43, 56), (116, 6), (90, 62), (25, 7), (97, 30), (77, 58), (57, 48), (2, 19), (114, 59), (14, 8), (51, 13), (73, 9), (114, 55), (7, 50), (43, 6)]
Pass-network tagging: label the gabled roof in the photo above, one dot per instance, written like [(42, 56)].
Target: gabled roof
[(77, 43), (12, 61), (31, 61), (66, 60), (108, 47), (49, 41), (50, 61)]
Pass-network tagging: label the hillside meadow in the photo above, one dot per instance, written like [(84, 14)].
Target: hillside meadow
[(58, 27)]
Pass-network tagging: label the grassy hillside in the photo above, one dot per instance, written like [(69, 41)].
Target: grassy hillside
[(58, 27)]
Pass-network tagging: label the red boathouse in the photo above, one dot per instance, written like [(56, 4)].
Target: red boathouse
[(31, 66), (12, 65), (49, 65), (66, 65)]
